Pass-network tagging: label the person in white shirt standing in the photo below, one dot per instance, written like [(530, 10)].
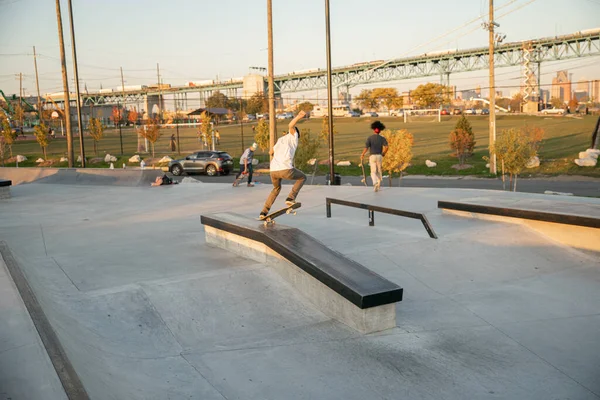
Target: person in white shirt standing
[(282, 166)]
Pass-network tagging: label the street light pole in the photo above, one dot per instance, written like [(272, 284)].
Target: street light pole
[(66, 100), (329, 94), (492, 122), (76, 76)]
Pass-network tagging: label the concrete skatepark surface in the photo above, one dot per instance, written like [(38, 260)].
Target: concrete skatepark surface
[(145, 309)]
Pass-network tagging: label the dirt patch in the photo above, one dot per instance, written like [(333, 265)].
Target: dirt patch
[(47, 163), (97, 160)]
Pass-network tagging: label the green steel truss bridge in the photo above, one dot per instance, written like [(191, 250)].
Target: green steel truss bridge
[(530, 54)]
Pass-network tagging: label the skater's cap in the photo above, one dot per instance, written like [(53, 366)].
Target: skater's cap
[(254, 146)]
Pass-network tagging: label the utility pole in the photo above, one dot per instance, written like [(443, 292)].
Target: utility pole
[(76, 76), (121, 109), (66, 100), (37, 84), (21, 100), (492, 123), (159, 92), (241, 116), (272, 121), (329, 94)]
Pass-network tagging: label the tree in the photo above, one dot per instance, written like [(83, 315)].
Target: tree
[(514, 149), (535, 135), (399, 153), (516, 102), (117, 115), (132, 116), (556, 102), (19, 114), (305, 106), (41, 135), (8, 134), (151, 132), (262, 135), (366, 100), (388, 97), (96, 132), (206, 129), (307, 149), (462, 143), (324, 134), (573, 103), (431, 95), (257, 104), (464, 124), (217, 100)]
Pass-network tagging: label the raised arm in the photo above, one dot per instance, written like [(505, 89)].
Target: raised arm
[(297, 118)]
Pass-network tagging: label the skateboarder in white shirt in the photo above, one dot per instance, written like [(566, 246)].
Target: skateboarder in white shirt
[(282, 166)]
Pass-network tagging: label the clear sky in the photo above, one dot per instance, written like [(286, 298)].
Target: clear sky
[(196, 40)]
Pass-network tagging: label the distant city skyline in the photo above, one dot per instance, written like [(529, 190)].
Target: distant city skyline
[(193, 41)]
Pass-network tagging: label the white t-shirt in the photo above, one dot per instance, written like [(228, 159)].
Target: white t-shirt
[(284, 151)]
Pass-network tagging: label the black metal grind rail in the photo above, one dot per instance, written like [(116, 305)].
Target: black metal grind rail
[(372, 209)]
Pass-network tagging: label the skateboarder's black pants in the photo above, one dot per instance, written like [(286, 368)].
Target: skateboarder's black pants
[(242, 171), (276, 178)]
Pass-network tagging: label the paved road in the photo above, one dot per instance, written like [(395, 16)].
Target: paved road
[(578, 186)]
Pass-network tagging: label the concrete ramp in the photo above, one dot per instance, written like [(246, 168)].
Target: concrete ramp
[(81, 176)]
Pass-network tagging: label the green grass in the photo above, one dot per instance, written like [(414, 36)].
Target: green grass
[(564, 139)]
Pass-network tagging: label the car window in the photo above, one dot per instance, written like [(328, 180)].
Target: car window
[(202, 154), (222, 154)]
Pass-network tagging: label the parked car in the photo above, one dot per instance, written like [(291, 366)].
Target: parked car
[(485, 111), (370, 114), (470, 111), (353, 114), (444, 112), (396, 113), (456, 111), (210, 162), (250, 117), (553, 111), (285, 115), (262, 116)]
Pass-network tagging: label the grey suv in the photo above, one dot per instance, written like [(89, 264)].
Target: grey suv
[(209, 162)]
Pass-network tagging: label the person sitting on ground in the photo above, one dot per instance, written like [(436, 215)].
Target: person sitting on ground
[(163, 180)]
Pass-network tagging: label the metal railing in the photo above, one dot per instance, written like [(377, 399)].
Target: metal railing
[(372, 209)]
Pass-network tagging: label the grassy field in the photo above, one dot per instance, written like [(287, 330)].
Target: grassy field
[(564, 138)]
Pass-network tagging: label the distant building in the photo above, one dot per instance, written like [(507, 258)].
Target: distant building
[(407, 101), (595, 91), (561, 86), (468, 94)]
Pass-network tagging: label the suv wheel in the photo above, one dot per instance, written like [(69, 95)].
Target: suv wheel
[(211, 170), (176, 170)]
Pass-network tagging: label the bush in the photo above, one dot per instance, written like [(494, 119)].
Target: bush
[(399, 153), (514, 148), (307, 149), (462, 143)]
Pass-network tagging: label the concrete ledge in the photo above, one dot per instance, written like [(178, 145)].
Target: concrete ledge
[(329, 302), (575, 236), (4, 192)]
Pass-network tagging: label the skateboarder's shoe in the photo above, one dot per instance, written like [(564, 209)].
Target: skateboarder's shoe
[(250, 184), (290, 202), (235, 184), (376, 186), (262, 216)]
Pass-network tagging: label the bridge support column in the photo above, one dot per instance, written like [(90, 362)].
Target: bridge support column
[(155, 104)]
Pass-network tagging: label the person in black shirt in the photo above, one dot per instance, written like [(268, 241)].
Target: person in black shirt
[(377, 146)]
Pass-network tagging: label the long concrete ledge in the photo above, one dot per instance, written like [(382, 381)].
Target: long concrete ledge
[(341, 288), (81, 176), (579, 230)]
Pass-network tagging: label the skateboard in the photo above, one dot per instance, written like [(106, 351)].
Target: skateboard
[(241, 178), (364, 178), (270, 219)]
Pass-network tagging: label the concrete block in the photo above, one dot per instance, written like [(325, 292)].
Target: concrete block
[(327, 301)]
